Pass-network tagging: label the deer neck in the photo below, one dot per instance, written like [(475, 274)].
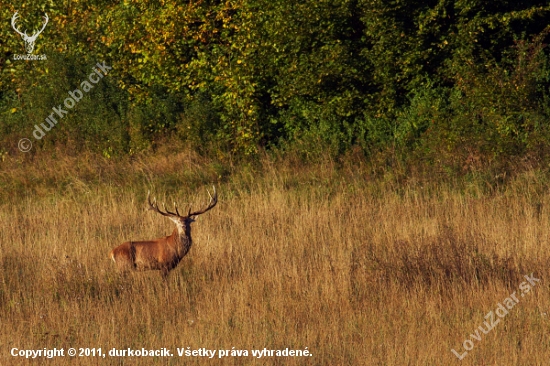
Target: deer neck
[(182, 239)]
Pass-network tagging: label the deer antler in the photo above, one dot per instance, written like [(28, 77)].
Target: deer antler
[(154, 206), (24, 35), (211, 204), (13, 19), (44, 26)]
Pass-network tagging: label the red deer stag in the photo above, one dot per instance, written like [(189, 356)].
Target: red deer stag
[(162, 254)]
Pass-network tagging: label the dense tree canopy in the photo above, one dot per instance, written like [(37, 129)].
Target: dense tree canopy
[(430, 77)]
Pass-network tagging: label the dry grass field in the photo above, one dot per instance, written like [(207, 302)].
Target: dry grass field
[(359, 272)]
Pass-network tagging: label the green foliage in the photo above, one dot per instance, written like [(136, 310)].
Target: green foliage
[(432, 78)]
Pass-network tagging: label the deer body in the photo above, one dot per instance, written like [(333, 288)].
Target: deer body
[(162, 254)]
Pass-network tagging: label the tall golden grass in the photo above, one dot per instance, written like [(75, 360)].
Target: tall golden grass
[(360, 272)]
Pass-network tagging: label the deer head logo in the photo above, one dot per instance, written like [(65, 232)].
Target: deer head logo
[(29, 40)]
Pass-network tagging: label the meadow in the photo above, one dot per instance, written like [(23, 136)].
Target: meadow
[(357, 269)]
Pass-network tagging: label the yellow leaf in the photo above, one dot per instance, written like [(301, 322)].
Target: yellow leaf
[(13, 110)]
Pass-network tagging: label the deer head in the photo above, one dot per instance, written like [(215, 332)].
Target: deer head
[(29, 40), (182, 221)]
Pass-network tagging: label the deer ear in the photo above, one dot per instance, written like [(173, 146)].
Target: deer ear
[(175, 220)]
